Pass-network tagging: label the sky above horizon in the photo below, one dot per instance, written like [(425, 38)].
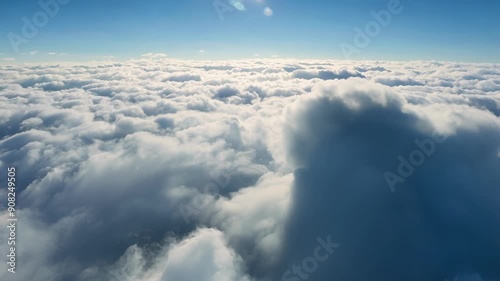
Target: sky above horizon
[(193, 29)]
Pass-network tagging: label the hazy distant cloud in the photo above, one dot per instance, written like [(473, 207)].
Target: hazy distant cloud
[(154, 55), (369, 68), (56, 54), (183, 77), (326, 74)]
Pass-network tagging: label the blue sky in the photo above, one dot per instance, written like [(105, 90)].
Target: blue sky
[(459, 30)]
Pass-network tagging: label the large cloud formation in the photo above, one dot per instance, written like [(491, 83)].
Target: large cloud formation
[(160, 169)]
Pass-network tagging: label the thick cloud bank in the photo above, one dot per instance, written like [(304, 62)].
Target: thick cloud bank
[(347, 140), (165, 170)]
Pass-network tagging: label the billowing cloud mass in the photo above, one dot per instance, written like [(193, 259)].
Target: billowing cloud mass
[(166, 170)]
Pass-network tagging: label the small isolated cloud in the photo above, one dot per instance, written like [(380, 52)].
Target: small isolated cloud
[(268, 11), (31, 53), (201, 51), (55, 54), (183, 77), (7, 59), (237, 4)]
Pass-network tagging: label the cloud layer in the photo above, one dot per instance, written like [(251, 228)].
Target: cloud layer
[(160, 169)]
